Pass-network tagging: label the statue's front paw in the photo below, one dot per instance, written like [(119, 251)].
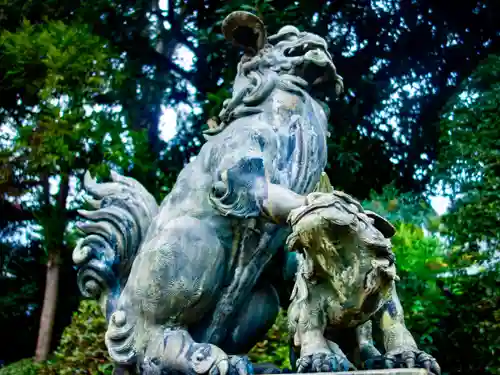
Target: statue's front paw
[(241, 189), (240, 365), (207, 359), (322, 362), (232, 365), (428, 362), (411, 358)]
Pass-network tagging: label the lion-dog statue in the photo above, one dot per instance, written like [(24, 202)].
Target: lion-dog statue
[(345, 284), (191, 285)]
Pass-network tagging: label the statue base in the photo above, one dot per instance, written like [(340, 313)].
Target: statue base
[(395, 371)]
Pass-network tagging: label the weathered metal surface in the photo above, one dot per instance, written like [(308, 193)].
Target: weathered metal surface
[(190, 285)]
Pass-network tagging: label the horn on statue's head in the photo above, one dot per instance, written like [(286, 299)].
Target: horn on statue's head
[(245, 30)]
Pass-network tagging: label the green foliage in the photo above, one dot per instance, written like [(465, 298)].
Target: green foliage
[(419, 260), (469, 170), (275, 347), (68, 67), (15, 303), (473, 326), (452, 315), (69, 57), (421, 255), (56, 71), (82, 349), (398, 207), (469, 164), (22, 367)]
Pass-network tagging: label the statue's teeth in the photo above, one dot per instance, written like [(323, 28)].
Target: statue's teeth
[(291, 50)]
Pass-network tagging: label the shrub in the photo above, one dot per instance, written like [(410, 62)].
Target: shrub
[(420, 260), (275, 347), (22, 367), (82, 349)]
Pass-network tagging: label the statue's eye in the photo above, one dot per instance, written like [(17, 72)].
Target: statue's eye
[(391, 258)]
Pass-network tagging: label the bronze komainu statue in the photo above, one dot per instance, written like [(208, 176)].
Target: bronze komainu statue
[(192, 285), (344, 284)]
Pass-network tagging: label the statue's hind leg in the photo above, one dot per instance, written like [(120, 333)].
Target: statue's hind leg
[(173, 283), (253, 320), (251, 323)]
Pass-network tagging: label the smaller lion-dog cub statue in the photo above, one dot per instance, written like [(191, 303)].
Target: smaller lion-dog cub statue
[(345, 282)]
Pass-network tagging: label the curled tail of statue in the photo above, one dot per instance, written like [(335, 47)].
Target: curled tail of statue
[(123, 211)]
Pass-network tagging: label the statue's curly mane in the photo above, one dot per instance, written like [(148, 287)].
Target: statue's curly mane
[(272, 67)]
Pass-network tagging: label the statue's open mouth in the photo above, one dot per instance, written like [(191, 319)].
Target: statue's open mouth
[(308, 223), (317, 66)]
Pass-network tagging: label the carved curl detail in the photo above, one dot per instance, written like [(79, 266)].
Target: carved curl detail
[(113, 233)]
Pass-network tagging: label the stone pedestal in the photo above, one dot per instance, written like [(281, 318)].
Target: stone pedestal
[(396, 371)]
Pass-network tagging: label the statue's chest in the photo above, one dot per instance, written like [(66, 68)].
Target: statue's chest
[(357, 292), (300, 128), (349, 315)]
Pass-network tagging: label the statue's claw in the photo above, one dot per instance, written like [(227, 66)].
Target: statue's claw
[(376, 362), (152, 366), (322, 362), (207, 359), (428, 362), (232, 365), (240, 365), (407, 358), (220, 368)]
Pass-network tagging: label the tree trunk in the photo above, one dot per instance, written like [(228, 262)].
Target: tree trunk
[(49, 307), (54, 227)]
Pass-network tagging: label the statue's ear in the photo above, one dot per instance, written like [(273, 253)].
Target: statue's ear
[(245, 30), (386, 228), (324, 185)]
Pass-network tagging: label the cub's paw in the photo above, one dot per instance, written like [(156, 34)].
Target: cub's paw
[(428, 362), (322, 362), (411, 358)]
